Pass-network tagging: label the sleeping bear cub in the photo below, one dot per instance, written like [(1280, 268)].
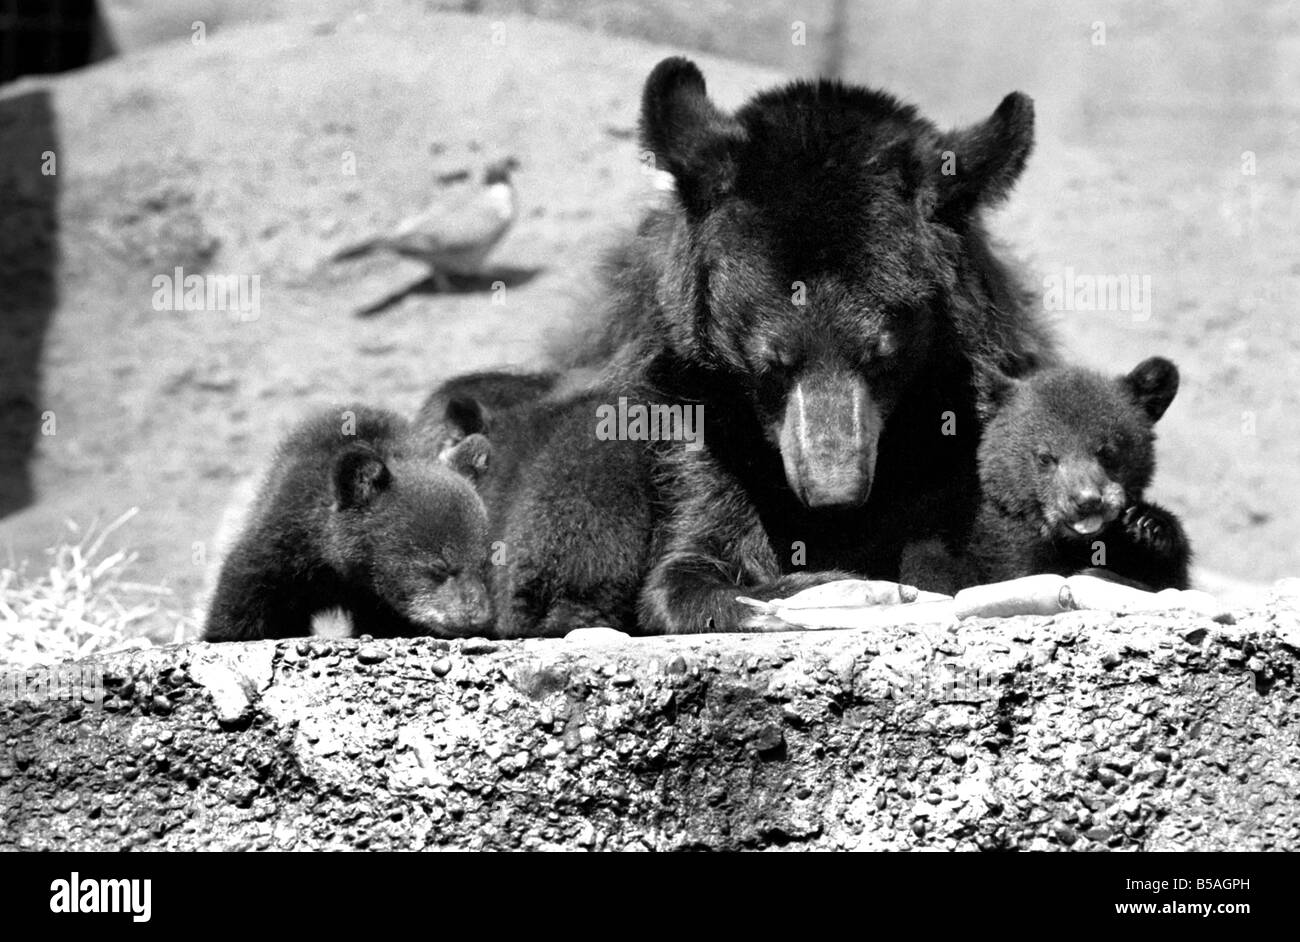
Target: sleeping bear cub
[(1064, 461), (356, 514)]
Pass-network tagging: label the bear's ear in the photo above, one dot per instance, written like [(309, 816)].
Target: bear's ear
[(1153, 383), (687, 134), (997, 389), (466, 415), (359, 474), (470, 458), (978, 165)]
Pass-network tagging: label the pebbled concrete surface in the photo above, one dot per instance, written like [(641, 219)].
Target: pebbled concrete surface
[(1083, 731)]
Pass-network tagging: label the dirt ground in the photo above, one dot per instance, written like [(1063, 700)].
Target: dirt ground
[(231, 156)]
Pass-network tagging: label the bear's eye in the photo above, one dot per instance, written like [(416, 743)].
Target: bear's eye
[(781, 361), (1045, 459), (438, 569), (886, 345), (1106, 453)]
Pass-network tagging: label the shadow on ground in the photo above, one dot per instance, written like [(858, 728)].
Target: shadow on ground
[(485, 283)]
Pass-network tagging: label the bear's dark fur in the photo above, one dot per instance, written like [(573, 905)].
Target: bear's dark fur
[(571, 516), (353, 515), (1064, 464), (823, 285), (468, 404)]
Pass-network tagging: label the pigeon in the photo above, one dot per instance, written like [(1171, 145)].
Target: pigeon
[(452, 236)]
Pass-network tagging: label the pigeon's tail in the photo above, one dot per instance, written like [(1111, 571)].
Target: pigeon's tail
[(355, 251)]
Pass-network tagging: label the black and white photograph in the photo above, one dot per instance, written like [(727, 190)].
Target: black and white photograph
[(608, 426)]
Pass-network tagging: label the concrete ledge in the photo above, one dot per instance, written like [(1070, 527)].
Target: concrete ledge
[(1081, 731)]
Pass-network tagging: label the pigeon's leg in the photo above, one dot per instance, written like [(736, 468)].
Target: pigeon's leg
[(442, 282)]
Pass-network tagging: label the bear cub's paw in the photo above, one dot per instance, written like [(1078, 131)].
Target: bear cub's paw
[(1153, 529)]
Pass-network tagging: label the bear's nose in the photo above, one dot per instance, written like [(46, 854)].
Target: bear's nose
[(828, 439), (1087, 501)]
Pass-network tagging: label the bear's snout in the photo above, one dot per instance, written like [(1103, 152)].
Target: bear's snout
[(1088, 500), (828, 439), (459, 607)]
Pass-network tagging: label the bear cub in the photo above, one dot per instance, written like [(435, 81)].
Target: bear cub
[(355, 514), (1064, 461), (570, 515)]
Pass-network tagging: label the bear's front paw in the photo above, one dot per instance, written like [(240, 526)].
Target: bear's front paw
[(1151, 528)]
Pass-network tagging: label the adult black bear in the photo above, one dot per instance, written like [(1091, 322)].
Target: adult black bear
[(570, 512), (1064, 463), (822, 284), (354, 515)]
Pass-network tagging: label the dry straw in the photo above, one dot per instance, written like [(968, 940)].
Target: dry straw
[(80, 605)]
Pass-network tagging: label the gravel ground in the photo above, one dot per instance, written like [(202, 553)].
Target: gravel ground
[(1082, 731)]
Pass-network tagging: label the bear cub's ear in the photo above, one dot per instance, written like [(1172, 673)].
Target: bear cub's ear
[(998, 390), (1152, 384), (466, 415), (470, 458), (688, 135), (359, 475)]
